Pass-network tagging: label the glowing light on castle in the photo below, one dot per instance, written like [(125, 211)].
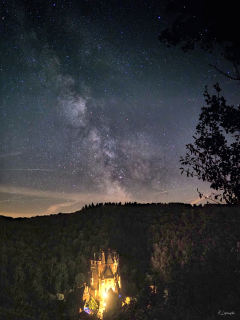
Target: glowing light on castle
[(104, 277)]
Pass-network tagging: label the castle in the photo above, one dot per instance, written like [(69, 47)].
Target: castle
[(104, 276)]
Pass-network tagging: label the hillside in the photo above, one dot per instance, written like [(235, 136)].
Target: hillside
[(192, 252)]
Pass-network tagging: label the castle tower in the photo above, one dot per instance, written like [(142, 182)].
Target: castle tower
[(104, 276)]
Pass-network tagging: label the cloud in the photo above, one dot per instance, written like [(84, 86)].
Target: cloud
[(56, 208), (28, 169), (68, 200), (35, 193), (10, 154), (203, 200)]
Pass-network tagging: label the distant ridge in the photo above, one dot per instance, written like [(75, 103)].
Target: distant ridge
[(126, 205)]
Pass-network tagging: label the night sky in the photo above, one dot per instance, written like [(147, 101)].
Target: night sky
[(93, 107)]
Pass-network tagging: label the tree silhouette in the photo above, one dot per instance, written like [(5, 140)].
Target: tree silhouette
[(215, 154), (205, 24)]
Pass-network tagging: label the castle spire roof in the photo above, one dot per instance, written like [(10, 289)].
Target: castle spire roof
[(107, 273), (109, 258)]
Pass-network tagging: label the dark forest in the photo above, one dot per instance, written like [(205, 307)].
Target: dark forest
[(190, 252)]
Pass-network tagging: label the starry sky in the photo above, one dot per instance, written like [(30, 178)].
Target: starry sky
[(93, 108)]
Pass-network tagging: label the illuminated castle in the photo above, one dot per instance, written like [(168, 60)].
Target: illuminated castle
[(104, 276)]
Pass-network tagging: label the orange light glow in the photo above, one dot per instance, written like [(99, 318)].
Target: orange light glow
[(105, 295)]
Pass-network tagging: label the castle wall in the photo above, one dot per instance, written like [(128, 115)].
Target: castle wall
[(104, 276)]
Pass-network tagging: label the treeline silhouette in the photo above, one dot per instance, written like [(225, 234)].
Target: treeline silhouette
[(188, 254)]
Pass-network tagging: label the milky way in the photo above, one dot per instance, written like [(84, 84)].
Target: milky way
[(93, 107)]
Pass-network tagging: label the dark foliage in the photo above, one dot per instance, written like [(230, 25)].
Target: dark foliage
[(192, 252), (215, 154), (206, 24)]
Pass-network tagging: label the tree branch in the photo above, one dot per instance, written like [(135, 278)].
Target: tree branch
[(226, 74), (236, 69)]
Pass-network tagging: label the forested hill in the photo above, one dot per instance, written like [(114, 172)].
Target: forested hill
[(191, 251)]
